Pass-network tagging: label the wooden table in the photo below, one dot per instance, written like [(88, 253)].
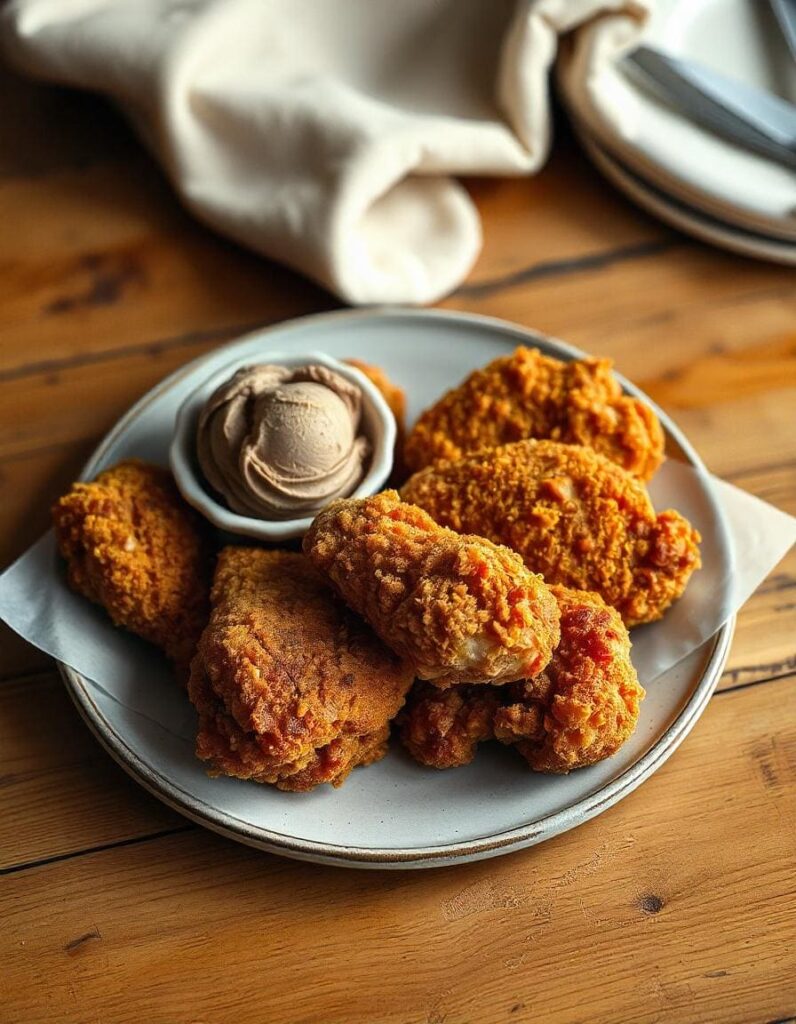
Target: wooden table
[(679, 904)]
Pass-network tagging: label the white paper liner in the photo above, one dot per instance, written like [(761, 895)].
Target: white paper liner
[(739, 548)]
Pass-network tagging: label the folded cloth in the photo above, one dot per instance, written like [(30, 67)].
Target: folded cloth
[(323, 133)]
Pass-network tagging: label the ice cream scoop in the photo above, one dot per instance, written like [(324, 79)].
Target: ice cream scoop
[(281, 442)]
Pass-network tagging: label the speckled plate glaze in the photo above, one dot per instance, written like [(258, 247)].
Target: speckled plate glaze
[(394, 814)]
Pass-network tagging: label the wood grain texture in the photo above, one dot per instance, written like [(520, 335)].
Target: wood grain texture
[(96, 261), (52, 770), (678, 905), (623, 916), (75, 402), (78, 400)]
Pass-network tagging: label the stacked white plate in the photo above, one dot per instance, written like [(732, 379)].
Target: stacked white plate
[(677, 170)]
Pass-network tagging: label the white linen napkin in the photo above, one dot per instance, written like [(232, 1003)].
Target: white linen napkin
[(324, 133)]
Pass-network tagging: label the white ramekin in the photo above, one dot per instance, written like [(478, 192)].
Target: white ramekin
[(377, 420)]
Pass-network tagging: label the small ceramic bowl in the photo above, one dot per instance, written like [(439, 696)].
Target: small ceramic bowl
[(378, 424)]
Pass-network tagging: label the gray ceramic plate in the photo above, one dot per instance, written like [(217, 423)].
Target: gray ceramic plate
[(394, 814)]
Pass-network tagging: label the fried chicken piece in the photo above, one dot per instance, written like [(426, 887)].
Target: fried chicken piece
[(393, 395), (396, 400), (584, 706), (442, 728), (291, 688), (580, 710), (132, 545), (530, 395), (459, 609), (573, 515)]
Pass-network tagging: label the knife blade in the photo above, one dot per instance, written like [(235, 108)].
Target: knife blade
[(785, 13), (751, 117)]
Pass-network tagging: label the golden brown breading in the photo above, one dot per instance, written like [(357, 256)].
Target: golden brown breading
[(573, 515), (459, 609), (580, 710), (584, 706), (396, 400), (134, 546), (291, 688), (442, 728), (393, 395), (530, 395)]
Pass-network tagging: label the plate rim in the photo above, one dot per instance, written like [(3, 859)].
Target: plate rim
[(690, 220), (679, 178), (525, 835)]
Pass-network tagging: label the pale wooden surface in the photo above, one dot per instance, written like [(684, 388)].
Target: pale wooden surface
[(677, 905)]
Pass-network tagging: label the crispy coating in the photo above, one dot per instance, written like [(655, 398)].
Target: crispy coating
[(585, 705), (573, 515), (530, 395), (393, 395), (442, 728), (396, 400), (577, 712), (291, 688), (132, 545), (459, 609)]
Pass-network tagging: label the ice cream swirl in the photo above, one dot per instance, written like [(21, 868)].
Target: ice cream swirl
[(280, 443)]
